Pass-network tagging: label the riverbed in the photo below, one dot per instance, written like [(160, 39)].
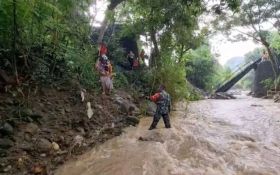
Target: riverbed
[(208, 137)]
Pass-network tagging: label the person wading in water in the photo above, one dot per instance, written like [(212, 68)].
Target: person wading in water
[(163, 101)]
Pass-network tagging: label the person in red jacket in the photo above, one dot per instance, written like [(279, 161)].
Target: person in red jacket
[(163, 101), (102, 49)]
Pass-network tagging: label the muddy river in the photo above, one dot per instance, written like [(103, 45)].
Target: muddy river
[(208, 137)]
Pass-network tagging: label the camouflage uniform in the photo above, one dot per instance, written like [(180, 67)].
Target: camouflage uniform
[(163, 102)]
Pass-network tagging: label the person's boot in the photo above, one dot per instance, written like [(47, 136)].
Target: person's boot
[(151, 128), (154, 124), (166, 121)]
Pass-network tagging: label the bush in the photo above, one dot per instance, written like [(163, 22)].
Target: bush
[(120, 80), (268, 83), (173, 76)]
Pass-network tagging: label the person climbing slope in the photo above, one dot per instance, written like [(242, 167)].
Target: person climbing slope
[(163, 101), (104, 68)]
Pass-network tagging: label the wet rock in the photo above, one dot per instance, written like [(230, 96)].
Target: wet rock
[(81, 130), (68, 109), (62, 111), (49, 103), (39, 170), (41, 105), (43, 155), (55, 146), (27, 112), (44, 91), (6, 129), (98, 107), (20, 162), (256, 105), (44, 145), (136, 111), (222, 95), (59, 160), (26, 146), (9, 101), (126, 106), (276, 98), (243, 137), (152, 136), (131, 120), (3, 153), (78, 140), (8, 168), (6, 143), (109, 132), (31, 128), (61, 138), (62, 152)]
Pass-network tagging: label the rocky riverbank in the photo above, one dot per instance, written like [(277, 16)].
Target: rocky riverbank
[(41, 131)]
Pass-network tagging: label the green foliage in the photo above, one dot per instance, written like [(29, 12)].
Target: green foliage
[(51, 41), (275, 41), (173, 76), (192, 93), (201, 68), (277, 83), (268, 83), (173, 24), (120, 80), (251, 22)]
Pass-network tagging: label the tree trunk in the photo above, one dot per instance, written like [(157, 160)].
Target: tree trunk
[(105, 23), (14, 41), (273, 61), (156, 54), (267, 46), (102, 30)]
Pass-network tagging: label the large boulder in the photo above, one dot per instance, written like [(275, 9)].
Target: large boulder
[(131, 120), (43, 145), (276, 98), (26, 146), (222, 95), (31, 128), (126, 106), (6, 129), (151, 108), (6, 143)]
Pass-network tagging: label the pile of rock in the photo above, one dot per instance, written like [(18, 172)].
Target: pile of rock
[(222, 95), (276, 98)]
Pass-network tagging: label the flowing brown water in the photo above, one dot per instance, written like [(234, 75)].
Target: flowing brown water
[(211, 137)]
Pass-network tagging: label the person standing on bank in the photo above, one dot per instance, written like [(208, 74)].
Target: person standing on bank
[(163, 101), (130, 58), (105, 70)]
